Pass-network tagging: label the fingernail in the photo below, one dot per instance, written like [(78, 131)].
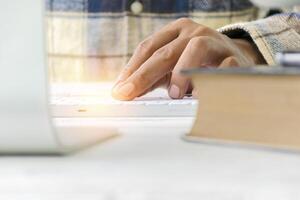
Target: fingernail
[(124, 90), (174, 92)]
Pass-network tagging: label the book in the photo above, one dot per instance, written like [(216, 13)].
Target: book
[(256, 105)]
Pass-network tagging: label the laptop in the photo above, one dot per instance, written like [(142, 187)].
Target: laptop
[(28, 103)]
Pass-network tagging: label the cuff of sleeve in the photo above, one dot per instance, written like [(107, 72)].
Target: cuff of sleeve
[(270, 35)]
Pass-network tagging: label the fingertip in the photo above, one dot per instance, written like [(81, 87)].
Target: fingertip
[(178, 86), (123, 92), (175, 92)]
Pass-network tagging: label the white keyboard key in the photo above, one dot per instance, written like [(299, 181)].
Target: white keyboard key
[(86, 101)]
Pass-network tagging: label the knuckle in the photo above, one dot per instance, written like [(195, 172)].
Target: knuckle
[(127, 71), (202, 30), (232, 61), (143, 79), (198, 43), (165, 53), (183, 21), (145, 47)]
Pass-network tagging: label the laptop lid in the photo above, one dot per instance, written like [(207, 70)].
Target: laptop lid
[(24, 121)]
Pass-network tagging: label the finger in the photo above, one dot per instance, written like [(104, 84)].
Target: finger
[(183, 26), (229, 62), (163, 82), (146, 48), (201, 51), (155, 68)]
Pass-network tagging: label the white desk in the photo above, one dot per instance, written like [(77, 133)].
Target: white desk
[(152, 164)]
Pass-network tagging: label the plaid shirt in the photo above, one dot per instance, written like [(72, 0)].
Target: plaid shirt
[(91, 40), (271, 35)]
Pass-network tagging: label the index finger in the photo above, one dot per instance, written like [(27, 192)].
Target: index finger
[(146, 48), (155, 68)]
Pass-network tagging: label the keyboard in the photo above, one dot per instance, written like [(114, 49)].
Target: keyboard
[(94, 100)]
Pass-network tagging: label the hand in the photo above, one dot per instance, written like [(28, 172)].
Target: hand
[(182, 44)]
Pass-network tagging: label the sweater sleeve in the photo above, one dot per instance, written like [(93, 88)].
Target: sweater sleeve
[(271, 35)]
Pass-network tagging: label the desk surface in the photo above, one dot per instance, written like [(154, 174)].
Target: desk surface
[(153, 163)]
